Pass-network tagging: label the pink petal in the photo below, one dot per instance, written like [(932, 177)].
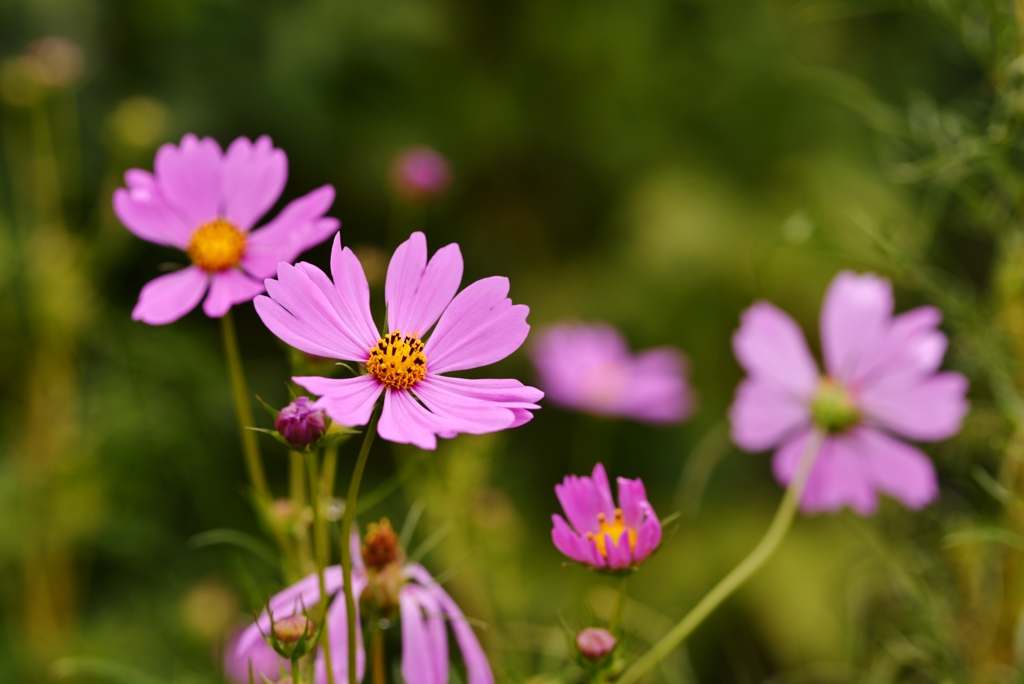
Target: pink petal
[(301, 314), (842, 476), (337, 631), (911, 349), (854, 320), (898, 469), (264, 660), (787, 457), (299, 226), (227, 288), (929, 410), (479, 327), (632, 497), (569, 543), (567, 356), (416, 291), (190, 178), (437, 632), (466, 408), (167, 298), (405, 421), (772, 349), (348, 401), (619, 554), (763, 415), (478, 670), (145, 213), (418, 666), (254, 176), (648, 538), (582, 498), (656, 391)]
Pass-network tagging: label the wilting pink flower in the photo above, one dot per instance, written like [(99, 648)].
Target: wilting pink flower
[(264, 660), (425, 608), (205, 203), (590, 368), (882, 381), (301, 423), (420, 173), (477, 327), (602, 535)]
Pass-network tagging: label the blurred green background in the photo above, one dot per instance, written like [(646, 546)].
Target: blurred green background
[(657, 164)]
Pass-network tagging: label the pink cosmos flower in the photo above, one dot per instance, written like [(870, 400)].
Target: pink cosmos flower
[(419, 174), (590, 368), (478, 326), (882, 382), (424, 607), (205, 203), (603, 536)]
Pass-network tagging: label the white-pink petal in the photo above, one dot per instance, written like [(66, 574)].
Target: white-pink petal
[(771, 348), (190, 178), (253, 178), (855, 319), (764, 414), (417, 291), (300, 226), (167, 298), (348, 401), (227, 288)]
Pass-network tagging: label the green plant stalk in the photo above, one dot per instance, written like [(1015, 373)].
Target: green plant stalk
[(243, 410), (295, 671), (620, 607), (346, 546), (741, 573), (320, 534), (377, 654)]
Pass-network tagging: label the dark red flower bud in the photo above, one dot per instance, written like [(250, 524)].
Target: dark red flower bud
[(301, 424)]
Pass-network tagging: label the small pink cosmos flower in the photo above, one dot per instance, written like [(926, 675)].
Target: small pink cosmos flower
[(419, 174), (423, 606), (205, 203), (590, 368), (882, 382), (603, 536), (476, 327)]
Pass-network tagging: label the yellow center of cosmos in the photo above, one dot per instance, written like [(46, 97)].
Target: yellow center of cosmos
[(216, 246), (398, 361), (615, 530)]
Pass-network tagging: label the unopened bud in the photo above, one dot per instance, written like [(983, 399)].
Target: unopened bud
[(300, 424), (420, 174), (595, 643), (290, 629)]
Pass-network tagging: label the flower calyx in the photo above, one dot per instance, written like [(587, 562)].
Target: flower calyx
[(294, 636)]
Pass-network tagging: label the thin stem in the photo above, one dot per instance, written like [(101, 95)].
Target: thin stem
[(243, 409), (346, 546), (620, 607), (295, 671), (741, 573), (380, 675), (320, 534)]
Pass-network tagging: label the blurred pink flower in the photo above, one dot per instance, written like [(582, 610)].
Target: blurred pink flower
[(425, 608), (264, 659), (477, 327), (602, 535), (590, 368), (205, 202), (420, 173), (882, 381)]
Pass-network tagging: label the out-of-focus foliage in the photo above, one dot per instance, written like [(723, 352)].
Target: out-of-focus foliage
[(657, 164)]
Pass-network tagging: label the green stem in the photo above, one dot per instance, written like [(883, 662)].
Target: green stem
[(620, 608), (295, 671), (243, 409), (377, 655), (346, 546), (320, 534), (740, 574)]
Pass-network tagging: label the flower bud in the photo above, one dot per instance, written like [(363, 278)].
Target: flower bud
[(290, 629), (595, 643), (300, 424), (420, 174)]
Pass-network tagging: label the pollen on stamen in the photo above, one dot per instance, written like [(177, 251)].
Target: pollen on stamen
[(615, 530), (398, 361), (216, 246)]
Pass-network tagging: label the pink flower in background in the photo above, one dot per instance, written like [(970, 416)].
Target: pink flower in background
[(474, 328), (589, 368), (264, 660), (420, 174), (425, 608), (882, 382), (205, 203), (602, 535)]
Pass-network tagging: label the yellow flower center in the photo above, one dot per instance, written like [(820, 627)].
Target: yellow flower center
[(216, 246), (614, 530), (398, 361)]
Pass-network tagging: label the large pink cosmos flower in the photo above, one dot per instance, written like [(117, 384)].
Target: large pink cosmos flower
[(425, 609), (603, 536), (205, 203), (478, 326), (590, 368), (882, 381)]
